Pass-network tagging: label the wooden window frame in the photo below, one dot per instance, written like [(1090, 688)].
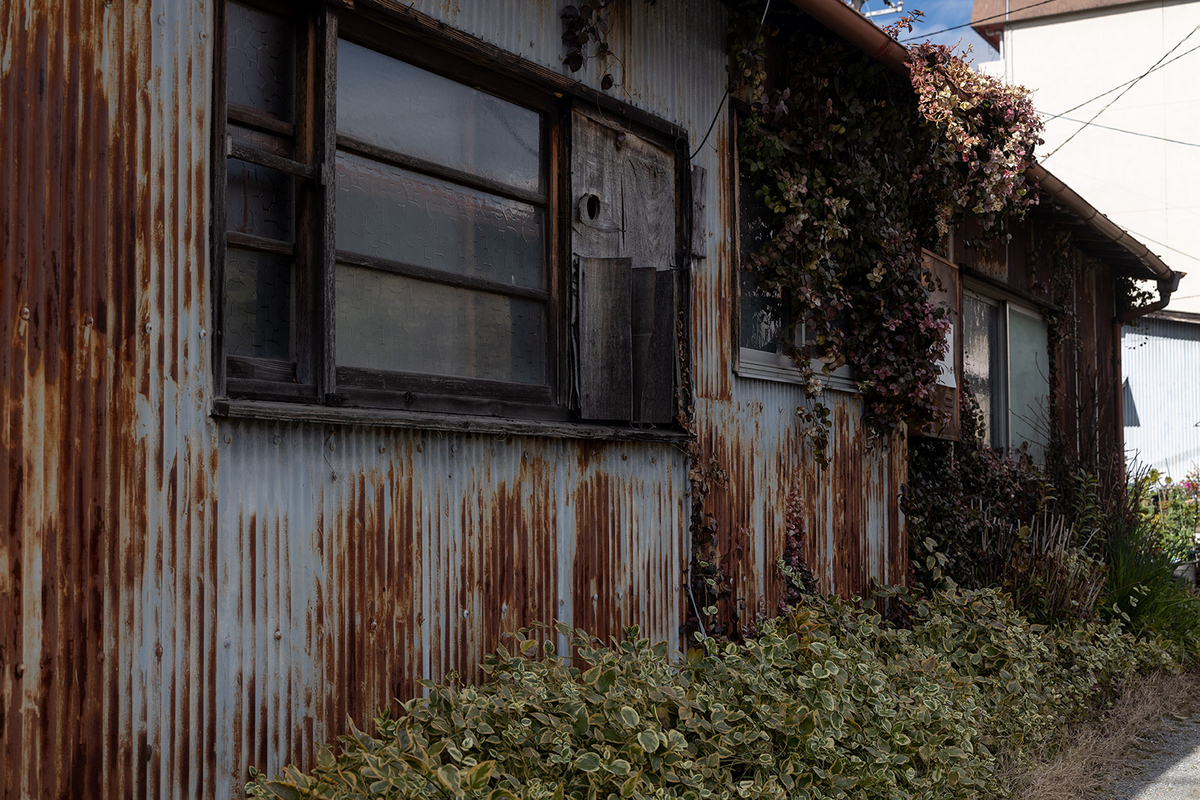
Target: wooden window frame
[(761, 364), (1007, 304), (314, 380)]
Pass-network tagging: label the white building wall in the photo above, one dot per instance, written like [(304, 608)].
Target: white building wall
[(1148, 186)]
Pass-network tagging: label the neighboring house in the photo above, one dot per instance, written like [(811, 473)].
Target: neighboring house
[(340, 339), (1161, 361), (1140, 159)]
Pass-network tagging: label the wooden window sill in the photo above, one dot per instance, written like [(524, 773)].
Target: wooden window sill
[(759, 365), (460, 423)]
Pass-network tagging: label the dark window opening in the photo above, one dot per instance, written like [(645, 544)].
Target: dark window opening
[(404, 229)]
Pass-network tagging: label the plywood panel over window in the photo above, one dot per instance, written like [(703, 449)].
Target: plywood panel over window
[(625, 213)]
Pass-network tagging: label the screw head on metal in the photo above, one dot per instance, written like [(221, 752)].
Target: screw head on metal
[(382, 449), (25, 312), (278, 635)]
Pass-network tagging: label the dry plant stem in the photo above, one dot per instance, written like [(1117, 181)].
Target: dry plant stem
[(1098, 754)]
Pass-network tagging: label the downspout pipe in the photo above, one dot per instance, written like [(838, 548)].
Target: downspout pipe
[(1166, 287)]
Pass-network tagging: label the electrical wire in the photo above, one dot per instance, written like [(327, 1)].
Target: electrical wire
[(1123, 85), (1123, 130), (725, 96), (1162, 244), (975, 21), (1131, 84)]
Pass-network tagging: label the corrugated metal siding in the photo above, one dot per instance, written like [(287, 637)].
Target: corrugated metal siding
[(1161, 359), (852, 516), (361, 561), (181, 598), (106, 591)]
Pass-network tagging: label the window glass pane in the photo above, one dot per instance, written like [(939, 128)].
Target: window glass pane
[(759, 324), (1029, 383), (408, 110), (398, 324), (259, 200), (398, 215), (260, 61), (981, 363), (759, 327), (258, 304)]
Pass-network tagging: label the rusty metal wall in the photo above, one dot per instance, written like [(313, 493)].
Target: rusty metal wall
[(107, 600), (361, 560), (182, 597)]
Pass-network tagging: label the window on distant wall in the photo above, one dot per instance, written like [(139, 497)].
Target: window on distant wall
[(764, 338), (401, 230), (1005, 361)]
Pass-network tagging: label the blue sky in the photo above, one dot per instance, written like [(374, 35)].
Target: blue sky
[(940, 14)]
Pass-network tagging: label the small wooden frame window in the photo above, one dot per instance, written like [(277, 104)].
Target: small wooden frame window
[(946, 293), (1006, 364), (390, 230), (763, 339)]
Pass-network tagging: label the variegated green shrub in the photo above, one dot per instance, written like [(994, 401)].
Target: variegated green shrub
[(829, 702)]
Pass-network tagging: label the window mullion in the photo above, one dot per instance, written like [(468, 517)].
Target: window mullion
[(306, 261), (1006, 412), (325, 244), (218, 209)]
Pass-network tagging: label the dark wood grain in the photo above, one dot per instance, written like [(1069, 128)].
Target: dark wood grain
[(605, 339)]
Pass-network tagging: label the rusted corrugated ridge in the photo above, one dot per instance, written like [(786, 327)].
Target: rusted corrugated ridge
[(106, 595), (361, 561)]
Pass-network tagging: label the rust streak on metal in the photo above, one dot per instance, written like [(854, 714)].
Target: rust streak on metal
[(104, 529)]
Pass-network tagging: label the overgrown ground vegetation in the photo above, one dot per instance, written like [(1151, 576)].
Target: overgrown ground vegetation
[(1066, 540), (832, 700)]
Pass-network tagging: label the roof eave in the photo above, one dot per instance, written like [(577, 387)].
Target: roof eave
[(856, 29)]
